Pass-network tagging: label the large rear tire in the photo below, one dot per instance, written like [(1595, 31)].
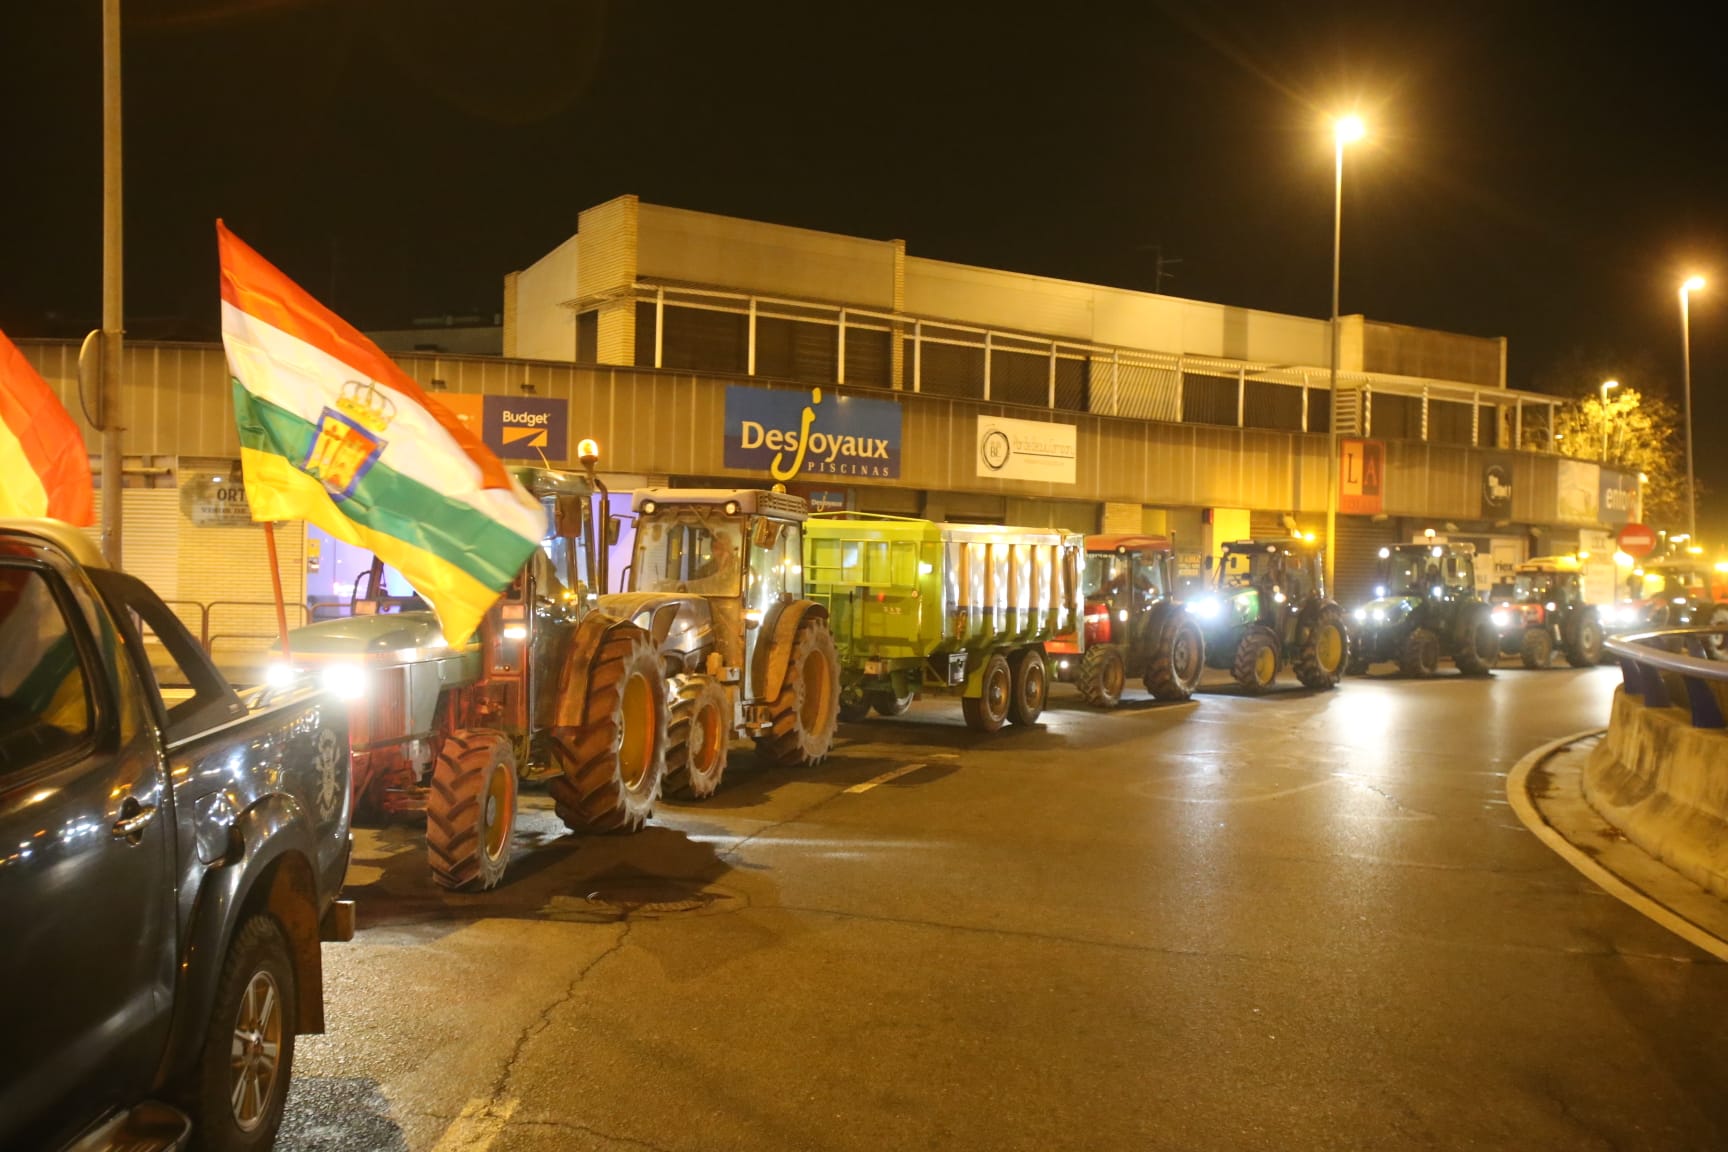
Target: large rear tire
[(610, 766), (1420, 655), (1585, 651), (1031, 686), (698, 737), (1478, 649), (1325, 650), (1537, 650), (471, 809), (1102, 676), (1180, 660), (988, 711), (807, 710), (1256, 665)]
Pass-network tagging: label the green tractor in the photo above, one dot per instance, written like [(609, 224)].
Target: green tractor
[(1426, 607), (1267, 609), (550, 690)]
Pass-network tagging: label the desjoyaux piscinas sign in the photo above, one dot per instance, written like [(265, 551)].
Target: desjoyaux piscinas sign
[(814, 433)]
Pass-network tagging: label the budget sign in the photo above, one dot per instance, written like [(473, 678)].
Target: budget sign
[(790, 434)]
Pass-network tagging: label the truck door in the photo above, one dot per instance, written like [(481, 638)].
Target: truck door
[(86, 860)]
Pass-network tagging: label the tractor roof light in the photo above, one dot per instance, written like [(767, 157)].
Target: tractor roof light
[(1385, 553), (731, 507), (588, 452), (648, 507)]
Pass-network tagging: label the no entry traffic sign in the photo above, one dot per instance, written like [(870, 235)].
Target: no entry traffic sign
[(1637, 540)]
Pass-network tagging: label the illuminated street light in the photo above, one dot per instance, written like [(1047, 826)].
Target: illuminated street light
[(1692, 285), (1345, 130), (1606, 384)]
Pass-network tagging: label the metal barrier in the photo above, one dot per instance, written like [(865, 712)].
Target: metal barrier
[(256, 621), (1685, 655)]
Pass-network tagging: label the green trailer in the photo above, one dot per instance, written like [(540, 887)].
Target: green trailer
[(918, 607)]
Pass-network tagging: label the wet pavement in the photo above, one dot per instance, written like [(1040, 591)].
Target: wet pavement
[(1302, 921)]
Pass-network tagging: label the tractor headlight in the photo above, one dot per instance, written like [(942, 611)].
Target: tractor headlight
[(344, 681), (1378, 616), (1206, 609), (1501, 620), (1360, 614), (280, 676)]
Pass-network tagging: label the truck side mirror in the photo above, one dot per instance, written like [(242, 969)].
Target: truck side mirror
[(567, 516), (1206, 564)]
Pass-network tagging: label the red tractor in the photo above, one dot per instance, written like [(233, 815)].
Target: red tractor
[(1133, 626)]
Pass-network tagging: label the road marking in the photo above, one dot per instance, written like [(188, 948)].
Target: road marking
[(478, 1125), (885, 777), (1519, 795)]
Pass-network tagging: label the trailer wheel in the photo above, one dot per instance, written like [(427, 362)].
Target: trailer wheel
[(471, 809), (698, 735), (1256, 664), (1537, 650), (888, 704), (808, 708), (988, 711), (1585, 651), (1325, 649), (610, 766), (1102, 676), (854, 705), (1031, 686), (1179, 662)]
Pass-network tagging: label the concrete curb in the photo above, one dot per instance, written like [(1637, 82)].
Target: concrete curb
[(1518, 795)]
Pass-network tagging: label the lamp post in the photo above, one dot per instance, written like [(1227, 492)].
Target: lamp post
[(1692, 285), (1606, 384), (1346, 130)]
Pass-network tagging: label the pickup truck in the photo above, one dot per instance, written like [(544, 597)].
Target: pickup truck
[(170, 858)]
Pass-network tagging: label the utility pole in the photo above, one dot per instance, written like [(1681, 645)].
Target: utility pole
[(1159, 263), (108, 392)]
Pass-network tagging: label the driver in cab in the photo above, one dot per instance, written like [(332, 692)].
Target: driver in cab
[(719, 573)]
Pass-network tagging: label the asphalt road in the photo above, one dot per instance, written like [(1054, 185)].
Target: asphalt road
[(1298, 922)]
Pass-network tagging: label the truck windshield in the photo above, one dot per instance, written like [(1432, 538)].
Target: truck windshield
[(688, 550)]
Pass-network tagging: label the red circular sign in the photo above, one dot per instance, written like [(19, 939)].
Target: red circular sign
[(1636, 540)]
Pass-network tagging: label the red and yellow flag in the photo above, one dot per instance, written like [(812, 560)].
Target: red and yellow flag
[(44, 466)]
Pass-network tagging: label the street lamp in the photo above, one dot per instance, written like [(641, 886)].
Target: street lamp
[(1692, 285), (1606, 384), (1345, 130)]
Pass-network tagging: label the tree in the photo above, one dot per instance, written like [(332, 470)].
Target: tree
[(1644, 428)]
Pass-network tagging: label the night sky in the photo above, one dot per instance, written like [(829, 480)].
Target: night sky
[(1545, 172)]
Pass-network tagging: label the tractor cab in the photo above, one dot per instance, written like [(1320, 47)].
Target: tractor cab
[(1266, 581), (1545, 612), (1123, 577)]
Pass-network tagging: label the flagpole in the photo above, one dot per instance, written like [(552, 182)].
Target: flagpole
[(108, 371), (276, 583)]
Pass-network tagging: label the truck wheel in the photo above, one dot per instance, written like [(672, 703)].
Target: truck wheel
[(471, 809), (1538, 648), (988, 711), (1102, 676), (808, 708), (1420, 655), (698, 735), (1478, 648), (610, 765), (1031, 686), (1585, 651), (1179, 662), (1256, 663), (888, 704), (1320, 662), (241, 1079)]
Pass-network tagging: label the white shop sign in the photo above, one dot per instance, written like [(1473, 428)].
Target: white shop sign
[(1026, 450)]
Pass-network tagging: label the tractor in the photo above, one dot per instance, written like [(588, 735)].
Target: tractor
[(716, 579), (1425, 607), (1543, 609), (1673, 592), (1132, 625), (1267, 608), (550, 689)]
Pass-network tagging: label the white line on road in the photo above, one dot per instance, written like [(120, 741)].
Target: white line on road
[(885, 777), (1519, 795), (477, 1127)]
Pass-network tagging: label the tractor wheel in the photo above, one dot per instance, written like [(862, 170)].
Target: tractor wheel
[(698, 732), (988, 711), (1256, 663), (471, 809), (1320, 662), (888, 704), (1585, 651), (1031, 686), (612, 763), (1102, 676), (1716, 643), (808, 707), (1179, 662), (1420, 655), (1478, 649), (1538, 648)]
